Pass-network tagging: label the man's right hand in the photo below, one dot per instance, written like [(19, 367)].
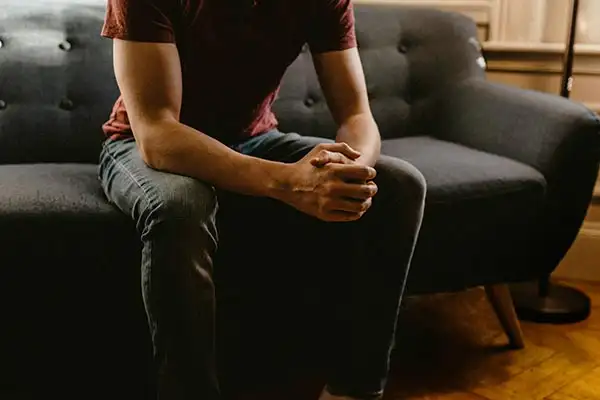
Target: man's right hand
[(337, 191)]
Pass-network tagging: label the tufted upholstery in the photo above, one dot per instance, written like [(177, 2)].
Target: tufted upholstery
[(509, 173), (402, 75), (64, 92)]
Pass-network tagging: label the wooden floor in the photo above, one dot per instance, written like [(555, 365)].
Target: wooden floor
[(452, 348)]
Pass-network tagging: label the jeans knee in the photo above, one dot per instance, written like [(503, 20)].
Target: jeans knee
[(403, 179), (185, 204)]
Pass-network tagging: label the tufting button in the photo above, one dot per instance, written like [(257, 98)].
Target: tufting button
[(476, 44), (403, 49), (65, 45), (66, 104), (309, 102), (2, 105)]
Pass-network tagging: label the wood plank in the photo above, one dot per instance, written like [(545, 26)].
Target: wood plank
[(508, 364), (585, 388), (539, 382), (561, 396), (445, 396)]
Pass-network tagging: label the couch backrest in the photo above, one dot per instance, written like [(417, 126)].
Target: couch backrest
[(408, 54), (57, 85)]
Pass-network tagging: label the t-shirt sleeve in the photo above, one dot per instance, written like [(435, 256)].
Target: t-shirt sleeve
[(332, 28), (140, 20)]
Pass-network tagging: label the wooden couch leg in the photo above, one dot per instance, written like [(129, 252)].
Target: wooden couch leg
[(501, 300)]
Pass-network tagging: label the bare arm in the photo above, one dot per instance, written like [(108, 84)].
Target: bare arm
[(342, 80), (149, 77)]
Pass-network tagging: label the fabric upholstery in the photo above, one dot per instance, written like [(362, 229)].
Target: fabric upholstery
[(405, 63), (69, 280), (61, 191), (473, 199), (455, 172), (56, 83), (559, 138)]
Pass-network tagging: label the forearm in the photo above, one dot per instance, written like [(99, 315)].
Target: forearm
[(179, 149), (361, 133)]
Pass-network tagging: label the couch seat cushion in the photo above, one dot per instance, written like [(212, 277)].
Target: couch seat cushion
[(69, 267), (58, 211), (475, 200), (455, 172), (50, 191)]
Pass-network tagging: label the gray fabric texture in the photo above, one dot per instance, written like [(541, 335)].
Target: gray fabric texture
[(481, 214), (56, 81), (405, 63), (455, 172), (53, 191)]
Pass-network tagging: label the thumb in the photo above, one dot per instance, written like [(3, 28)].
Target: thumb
[(343, 148), (346, 150)]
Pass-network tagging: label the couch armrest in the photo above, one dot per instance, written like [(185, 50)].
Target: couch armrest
[(545, 131), (558, 137)]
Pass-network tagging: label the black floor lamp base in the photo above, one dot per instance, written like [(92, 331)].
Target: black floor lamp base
[(561, 305)]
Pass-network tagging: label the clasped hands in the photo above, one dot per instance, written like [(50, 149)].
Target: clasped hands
[(330, 184)]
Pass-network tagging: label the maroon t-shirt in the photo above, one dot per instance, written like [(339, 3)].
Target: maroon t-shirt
[(233, 53)]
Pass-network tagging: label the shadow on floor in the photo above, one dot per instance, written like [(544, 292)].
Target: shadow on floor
[(444, 342)]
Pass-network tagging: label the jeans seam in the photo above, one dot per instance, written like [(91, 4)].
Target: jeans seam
[(120, 165), (147, 282)]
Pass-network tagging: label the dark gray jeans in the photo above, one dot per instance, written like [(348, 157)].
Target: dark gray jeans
[(176, 217)]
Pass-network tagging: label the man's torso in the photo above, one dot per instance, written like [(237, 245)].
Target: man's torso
[(234, 54)]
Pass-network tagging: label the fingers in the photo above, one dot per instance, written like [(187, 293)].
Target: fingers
[(347, 210), (341, 216), (354, 172), (325, 157), (341, 148), (354, 191), (351, 206)]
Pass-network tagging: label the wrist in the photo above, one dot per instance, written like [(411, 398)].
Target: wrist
[(279, 180)]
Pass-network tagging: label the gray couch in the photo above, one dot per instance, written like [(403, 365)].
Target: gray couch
[(510, 174)]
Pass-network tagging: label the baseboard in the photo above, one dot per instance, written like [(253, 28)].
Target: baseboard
[(582, 262)]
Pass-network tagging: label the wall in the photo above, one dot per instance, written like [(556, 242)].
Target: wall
[(524, 42)]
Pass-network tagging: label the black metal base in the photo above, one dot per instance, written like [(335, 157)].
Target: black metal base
[(558, 305)]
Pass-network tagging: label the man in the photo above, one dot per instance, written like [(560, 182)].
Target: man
[(197, 80)]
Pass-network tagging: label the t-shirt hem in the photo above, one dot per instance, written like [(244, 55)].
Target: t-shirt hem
[(166, 38), (337, 47)]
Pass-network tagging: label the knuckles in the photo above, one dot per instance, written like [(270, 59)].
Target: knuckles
[(365, 205), (323, 154)]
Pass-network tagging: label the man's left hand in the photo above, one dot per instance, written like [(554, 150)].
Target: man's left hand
[(339, 158), (349, 157), (352, 156)]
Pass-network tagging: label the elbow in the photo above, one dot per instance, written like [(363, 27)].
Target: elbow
[(149, 155), (151, 138), (151, 149)]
